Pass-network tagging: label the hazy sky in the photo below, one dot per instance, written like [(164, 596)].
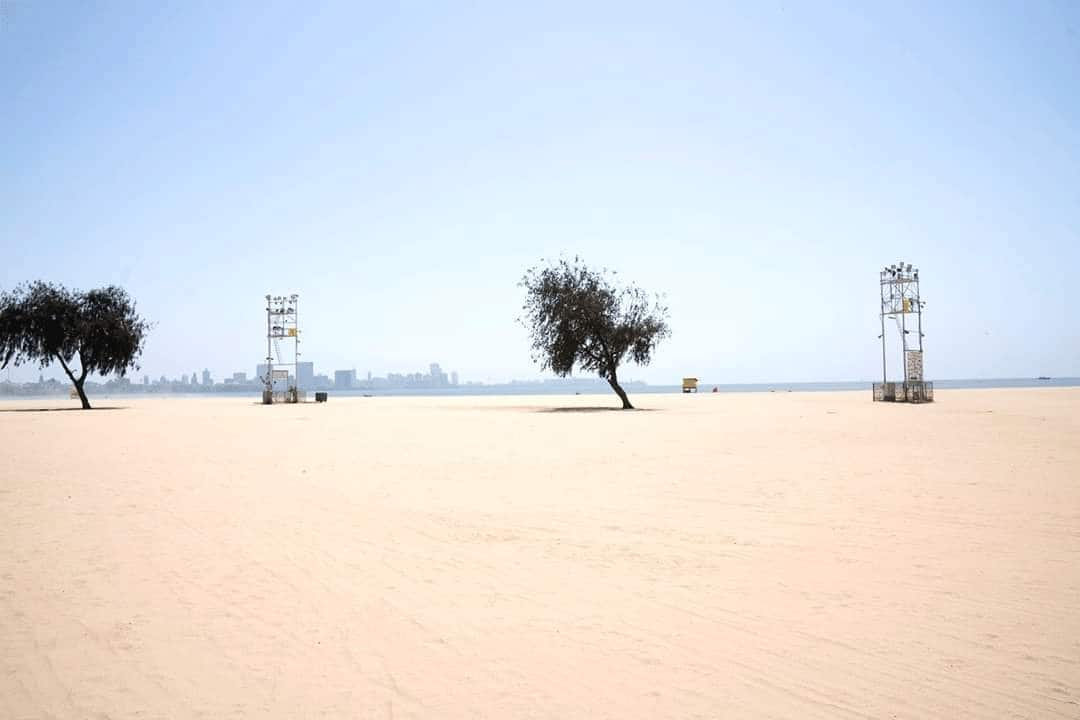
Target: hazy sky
[(400, 167)]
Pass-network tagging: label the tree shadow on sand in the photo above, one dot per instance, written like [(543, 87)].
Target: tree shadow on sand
[(61, 409), (591, 409)]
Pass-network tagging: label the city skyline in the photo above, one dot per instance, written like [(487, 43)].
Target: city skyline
[(306, 377)]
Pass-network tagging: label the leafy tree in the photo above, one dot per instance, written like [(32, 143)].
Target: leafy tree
[(44, 323), (583, 318)]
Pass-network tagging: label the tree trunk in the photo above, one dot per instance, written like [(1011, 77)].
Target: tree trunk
[(82, 393), (77, 382), (613, 381)]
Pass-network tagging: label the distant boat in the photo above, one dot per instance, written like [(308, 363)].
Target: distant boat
[(1044, 377)]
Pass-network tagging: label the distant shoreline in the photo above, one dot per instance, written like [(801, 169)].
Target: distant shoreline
[(526, 389)]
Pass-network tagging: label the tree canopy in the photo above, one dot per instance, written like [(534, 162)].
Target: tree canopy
[(96, 331), (579, 317)]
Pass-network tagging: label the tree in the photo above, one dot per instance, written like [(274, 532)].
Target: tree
[(583, 318), (45, 323)]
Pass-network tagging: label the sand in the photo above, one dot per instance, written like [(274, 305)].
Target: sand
[(731, 555)]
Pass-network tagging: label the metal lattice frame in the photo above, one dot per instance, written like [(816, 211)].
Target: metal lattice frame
[(282, 344), (901, 299)]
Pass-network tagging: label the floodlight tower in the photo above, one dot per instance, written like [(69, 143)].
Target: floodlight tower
[(900, 298), (282, 328)]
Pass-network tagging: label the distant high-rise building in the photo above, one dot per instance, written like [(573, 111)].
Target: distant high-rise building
[(206, 378), (344, 379), (454, 378), (239, 377), (369, 376), (305, 375), (438, 377), (194, 379), (145, 379)]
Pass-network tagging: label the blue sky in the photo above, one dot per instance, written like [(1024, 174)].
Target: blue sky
[(400, 167)]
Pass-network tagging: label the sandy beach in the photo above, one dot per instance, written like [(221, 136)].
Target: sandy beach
[(802, 555)]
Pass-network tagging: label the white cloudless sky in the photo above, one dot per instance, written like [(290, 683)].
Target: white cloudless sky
[(400, 167)]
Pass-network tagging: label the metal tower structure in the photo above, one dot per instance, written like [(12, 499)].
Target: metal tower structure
[(902, 303), (282, 345)]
